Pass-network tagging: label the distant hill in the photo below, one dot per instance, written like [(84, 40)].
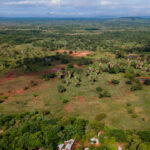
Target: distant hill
[(131, 18)]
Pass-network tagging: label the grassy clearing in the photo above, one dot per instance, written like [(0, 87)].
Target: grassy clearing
[(124, 109)]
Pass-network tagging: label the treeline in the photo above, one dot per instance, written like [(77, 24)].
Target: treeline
[(33, 130)]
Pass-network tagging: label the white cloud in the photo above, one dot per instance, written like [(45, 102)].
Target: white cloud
[(34, 2), (77, 7), (106, 2)]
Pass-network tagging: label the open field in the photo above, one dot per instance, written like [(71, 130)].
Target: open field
[(45, 96), (60, 73)]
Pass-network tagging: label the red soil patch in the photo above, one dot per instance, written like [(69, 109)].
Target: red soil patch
[(111, 83), (76, 66), (18, 92), (68, 108), (122, 87), (81, 54), (36, 99), (62, 51), (76, 53), (76, 145), (9, 76), (125, 93), (15, 92), (1, 131), (52, 70), (128, 92), (81, 99)]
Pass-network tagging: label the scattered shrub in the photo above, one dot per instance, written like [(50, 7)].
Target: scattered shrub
[(70, 52), (1, 101), (52, 75), (33, 83), (65, 101), (104, 93), (119, 135), (70, 66), (115, 81), (119, 54), (104, 60), (79, 63), (128, 104), (64, 61), (114, 70), (129, 82), (134, 115), (48, 76), (26, 88), (61, 88), (3, 98), (96, 125), (100, 116), (130, 74), (130, 111), (99, 89), (46, 112), (35, 95), (147, 82), (144, 135), (136, 87)]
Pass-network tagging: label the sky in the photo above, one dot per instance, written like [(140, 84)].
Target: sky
[(74, 8)]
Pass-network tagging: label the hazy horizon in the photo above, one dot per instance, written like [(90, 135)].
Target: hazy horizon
[(74, 9)]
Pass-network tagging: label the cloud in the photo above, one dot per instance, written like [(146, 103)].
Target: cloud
[(76, 7), (106, 2), (75, 3), (34, 2)]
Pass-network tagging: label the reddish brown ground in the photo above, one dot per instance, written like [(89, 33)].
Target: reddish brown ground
[(111, 83), (79, 100), (1, 131), (81, 54), (76, 145), (9, 76), (76, 53), (76, 66), (68, 108), (123, 145), (125, 92)]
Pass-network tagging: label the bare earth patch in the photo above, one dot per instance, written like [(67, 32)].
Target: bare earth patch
[(76, 53), (9, 76), (1, 131), (78, 102)]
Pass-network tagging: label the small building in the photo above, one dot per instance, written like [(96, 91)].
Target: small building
[(94, 141), (119, 148), (61, 146), (132, 56), (67, 145), (144, 79), (47, 59), (101, 132)]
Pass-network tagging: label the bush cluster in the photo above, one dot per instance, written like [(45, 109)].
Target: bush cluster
[(61, 89), (115, 81), (136, 87)]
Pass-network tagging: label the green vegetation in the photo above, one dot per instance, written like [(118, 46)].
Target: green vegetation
[(63, 79)]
